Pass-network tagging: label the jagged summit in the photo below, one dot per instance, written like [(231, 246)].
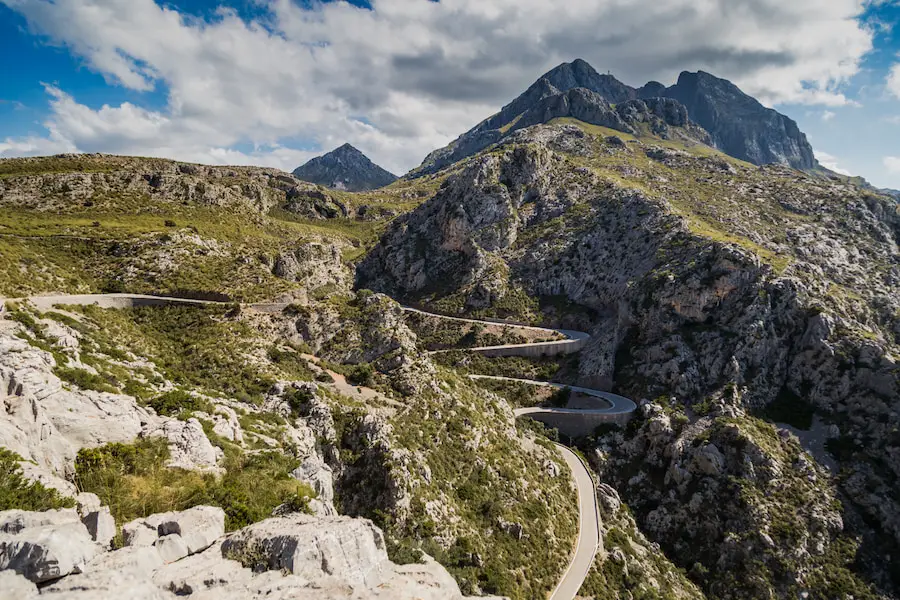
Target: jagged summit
[(737, 124), (345, 168)]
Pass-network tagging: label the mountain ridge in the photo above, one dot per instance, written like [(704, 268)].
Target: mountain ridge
[(737, 124)]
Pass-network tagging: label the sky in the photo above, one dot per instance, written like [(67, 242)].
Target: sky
[(276, 82)]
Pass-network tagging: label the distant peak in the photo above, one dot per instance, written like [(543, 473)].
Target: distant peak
[(345, 168), (347, 148)]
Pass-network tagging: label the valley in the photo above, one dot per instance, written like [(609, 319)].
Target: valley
[(563, 358)]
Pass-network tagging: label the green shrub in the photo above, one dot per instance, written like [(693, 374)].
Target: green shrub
[(560, 397), (86, 380), (17, 492), (362, 375), (174, 402), (134, 481)]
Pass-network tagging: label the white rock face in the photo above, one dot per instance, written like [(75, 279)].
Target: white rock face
[(101, 525), (44, 422), (171, 547), (47, 552), (189, 447), (16, 521), (318, 475), (350, 549), (15, 587), (177, 534), (199, 527), (300, 557)]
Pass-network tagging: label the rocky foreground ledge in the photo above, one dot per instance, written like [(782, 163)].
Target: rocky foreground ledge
[(66, 554)]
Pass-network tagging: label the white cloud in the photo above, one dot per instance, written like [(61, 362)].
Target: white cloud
[(892, 164), (893, 80), (828, 115), (830, 162), (410, 75)]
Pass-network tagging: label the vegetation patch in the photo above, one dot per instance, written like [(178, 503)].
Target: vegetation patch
[(18, 493), (134, 481)]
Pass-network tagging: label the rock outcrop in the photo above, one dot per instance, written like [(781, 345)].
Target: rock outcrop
[(738, 124), (345, 168), (294, 556)]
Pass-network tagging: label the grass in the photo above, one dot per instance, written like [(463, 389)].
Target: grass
[(134, 481), (18, 493)]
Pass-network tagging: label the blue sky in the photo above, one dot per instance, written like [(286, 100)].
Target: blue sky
[(275, 82)]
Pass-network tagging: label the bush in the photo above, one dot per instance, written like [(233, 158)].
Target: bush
[(560, 397), (134, 481), (362, 375), (86, 380), (18, 493), (174, 402), (170, 223)]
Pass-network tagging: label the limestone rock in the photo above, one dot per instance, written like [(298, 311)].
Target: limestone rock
[(171, 547), (47, 552), (189, 447), (199, 527), (101, 525), (318, 475), (352, 550), (15, 587), (16, 521)]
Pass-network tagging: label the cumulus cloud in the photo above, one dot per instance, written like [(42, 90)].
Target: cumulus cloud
[(830, 162), (828, 115), (407, 76), (892, 164), (893, 80)]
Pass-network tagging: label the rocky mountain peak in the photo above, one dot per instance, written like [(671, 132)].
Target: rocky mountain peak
[(345, 168), (737, 124), (579, 74)]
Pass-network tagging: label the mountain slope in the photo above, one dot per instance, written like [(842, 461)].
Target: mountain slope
[(730, 293), (737, 124), (345, 168)]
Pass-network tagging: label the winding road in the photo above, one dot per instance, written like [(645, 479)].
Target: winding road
[(589, 535)]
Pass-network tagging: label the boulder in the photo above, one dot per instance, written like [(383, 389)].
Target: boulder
[(47, 552), (352, 550), (199, 526), (189, 447), (199, 572), (141, 532), (171, 547), (709, 460), (87, 503), (15, 587), (101, 525), (16, 521), (318, 475)]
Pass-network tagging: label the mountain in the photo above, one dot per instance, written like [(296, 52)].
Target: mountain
[(890, 192), (739, 125), (753, 309), (345, 168), (736, 123)]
